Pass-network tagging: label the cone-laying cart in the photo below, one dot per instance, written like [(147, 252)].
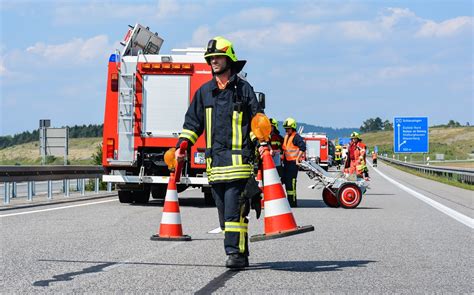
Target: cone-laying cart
[(339, 190)]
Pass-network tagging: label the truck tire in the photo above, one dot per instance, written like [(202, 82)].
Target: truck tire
[(143, 196), (209, 200), (158, 191), (125, 196)]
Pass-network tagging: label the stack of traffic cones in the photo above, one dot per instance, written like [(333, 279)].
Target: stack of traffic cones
[(279, 220), (170, 227)]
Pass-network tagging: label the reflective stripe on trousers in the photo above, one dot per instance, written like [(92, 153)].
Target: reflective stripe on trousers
[(226, 196)]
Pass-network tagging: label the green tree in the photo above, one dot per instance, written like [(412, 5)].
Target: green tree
[(372, 125)]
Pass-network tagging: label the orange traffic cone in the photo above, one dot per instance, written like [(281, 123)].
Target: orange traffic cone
[(170, 227), (279, 220)]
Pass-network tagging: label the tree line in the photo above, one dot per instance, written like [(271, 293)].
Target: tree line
[(76, 131), (376, 124)]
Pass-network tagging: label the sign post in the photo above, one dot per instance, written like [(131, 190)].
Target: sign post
[(410, 135)]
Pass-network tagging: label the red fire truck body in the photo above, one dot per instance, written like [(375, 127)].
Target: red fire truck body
[(147, 97), (317, 149)]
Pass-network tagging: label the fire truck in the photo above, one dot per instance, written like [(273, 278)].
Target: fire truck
[(317, 148), (147, 96)]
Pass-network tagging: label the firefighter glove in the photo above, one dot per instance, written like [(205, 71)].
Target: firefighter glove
[(251, 198)]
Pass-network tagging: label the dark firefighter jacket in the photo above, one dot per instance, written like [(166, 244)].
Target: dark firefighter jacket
[(225, 115)]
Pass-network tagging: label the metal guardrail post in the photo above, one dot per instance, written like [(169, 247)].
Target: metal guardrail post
[(109, 187), (14, 190), (83, 187), (78, 187), (33, 188), (6, 197), (50, 189), (30, 190), (66, 187), (96, 187)]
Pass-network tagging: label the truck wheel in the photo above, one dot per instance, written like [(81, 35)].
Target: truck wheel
[(159, 191), (209, 200), (142, 197), (349, 195), (329, 198), (125, 196)]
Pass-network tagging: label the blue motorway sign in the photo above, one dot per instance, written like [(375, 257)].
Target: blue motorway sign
[(410, 134), (344, 140)]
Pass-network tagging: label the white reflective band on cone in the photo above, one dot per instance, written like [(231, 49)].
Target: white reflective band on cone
[(171, 218), (171, 196), (277, 207), (270, 176)]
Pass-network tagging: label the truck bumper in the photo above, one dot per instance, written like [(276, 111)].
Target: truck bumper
[(153, 179)]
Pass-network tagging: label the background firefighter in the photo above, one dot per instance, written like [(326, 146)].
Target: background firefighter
[(355, 162), (276, 142), (338, 156), (224, 107), (294, 148)]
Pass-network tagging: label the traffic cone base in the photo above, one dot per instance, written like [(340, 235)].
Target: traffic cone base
[(170, 226), (298, 230)]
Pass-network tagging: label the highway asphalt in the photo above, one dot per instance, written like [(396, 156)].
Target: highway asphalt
[(394, 242)]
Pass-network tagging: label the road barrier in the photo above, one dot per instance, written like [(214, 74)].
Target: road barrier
[(11, 175), (463, 175)]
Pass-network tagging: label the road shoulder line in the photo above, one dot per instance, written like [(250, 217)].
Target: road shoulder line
[(446, 210)]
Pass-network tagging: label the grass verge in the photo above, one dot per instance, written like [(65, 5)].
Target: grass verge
[(433, 177)]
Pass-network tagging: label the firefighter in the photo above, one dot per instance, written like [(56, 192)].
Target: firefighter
[(338, 156), (355, 162), (276, 141), (374, 158), (224, 107), (294, 148)]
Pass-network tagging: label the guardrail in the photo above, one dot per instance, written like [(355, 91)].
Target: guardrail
[(11, 175), (463, 175)]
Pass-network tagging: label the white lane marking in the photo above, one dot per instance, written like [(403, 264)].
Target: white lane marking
[(466, 220), (56, 208)]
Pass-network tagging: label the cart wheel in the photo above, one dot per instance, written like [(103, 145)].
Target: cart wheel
[(329, 198), (349, 195)]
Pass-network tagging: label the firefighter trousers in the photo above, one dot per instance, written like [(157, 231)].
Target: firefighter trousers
[(227, 198), (289, 178)]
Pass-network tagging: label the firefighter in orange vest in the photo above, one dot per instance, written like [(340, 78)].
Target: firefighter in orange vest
[(374, 158), (276, 141), (355, 162), (294, 148)]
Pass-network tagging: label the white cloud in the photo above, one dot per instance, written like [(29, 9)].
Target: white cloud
[(3, 69), (395, 16), (446, 28), (396, 72), (319, 9), (359, 30), (99, 12), (77, 50), (278, 34), (200, 36), (167, 8), (260, 14)]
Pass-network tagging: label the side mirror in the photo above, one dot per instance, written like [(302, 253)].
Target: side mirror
[(261, 99)]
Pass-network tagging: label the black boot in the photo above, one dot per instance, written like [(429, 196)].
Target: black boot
[(236, 260)]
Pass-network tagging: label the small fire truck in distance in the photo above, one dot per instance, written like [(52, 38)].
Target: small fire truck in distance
[(317, 148), (148, 94)]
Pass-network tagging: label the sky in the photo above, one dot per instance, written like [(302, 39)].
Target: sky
[(326, 63)]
